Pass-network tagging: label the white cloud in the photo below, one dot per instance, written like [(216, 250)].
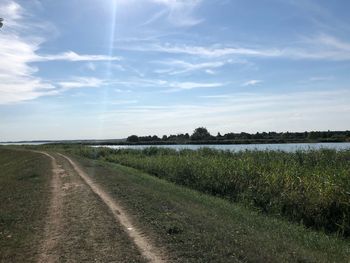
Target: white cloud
[(72, 56), (211, 52), (12, 12), (19, 49), (17, 77), (322, 47), (167, 86), (81, 82), (185, 67), (124, 102), (252, 82), (112, 102), (177, 86)]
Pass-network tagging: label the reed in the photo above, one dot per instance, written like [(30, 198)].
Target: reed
[(311, 187)]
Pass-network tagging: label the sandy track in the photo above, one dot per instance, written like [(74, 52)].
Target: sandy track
[(142, 243)]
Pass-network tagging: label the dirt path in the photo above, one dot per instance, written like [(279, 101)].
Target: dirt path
[(85, 220), (53, 227)]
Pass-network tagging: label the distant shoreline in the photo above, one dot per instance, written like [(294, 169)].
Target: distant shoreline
[(201, 136), (206, 142), (228, 142)]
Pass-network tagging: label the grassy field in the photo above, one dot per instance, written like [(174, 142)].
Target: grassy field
[(190, 225), (24, 197), (196, 227), (311, 187)]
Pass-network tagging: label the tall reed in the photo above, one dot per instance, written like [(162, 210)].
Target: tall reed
[(311, 187)]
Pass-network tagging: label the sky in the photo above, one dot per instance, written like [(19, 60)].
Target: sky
[(104, 69)]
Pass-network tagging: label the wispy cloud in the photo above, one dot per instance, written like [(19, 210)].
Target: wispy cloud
[(72, 56), (319, 47), (252, 82), (124, 102), (249, 112), (19, 49), (17, 77), (178, 86), (81, 82), (203, 51), (165, 85), (12, 12), (180, 66), (321, 78), (112, 102)]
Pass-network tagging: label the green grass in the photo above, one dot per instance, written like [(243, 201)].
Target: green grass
[(311, 187), (196, 227), (24, 195)]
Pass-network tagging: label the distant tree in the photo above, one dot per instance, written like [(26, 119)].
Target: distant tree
[(244, 135), (133, 138), (200, 133), (314, 135), (257, 136), (155, 138), (164, 138), (230, 136), (171, 137)]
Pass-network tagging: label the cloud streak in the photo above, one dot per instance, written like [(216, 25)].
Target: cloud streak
[(178, 86), (166, 85), (204, 51), (180, 66), (81, 82), (72, 56), (252, 82), (320, 47)]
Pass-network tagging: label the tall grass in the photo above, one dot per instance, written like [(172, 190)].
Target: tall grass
[(311, 187)]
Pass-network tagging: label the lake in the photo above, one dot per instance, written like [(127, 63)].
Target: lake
[(288, 147), (22, 143)]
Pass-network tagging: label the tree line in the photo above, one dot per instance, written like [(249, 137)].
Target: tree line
[(202, 135)]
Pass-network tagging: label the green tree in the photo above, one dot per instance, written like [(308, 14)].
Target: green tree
[(200, 133), (133, 138)]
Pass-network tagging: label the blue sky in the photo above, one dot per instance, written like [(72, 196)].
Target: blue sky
[(110, 68)]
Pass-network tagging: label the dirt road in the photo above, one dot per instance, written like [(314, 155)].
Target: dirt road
[(85, 224)]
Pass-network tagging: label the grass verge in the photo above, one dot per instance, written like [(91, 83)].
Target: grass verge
[(24, 198)]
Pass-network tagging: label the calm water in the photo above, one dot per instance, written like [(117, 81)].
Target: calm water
[(288, 147), (22, 143)]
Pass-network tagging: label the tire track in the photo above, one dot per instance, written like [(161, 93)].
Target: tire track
[(151, 253), (52, 232)]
